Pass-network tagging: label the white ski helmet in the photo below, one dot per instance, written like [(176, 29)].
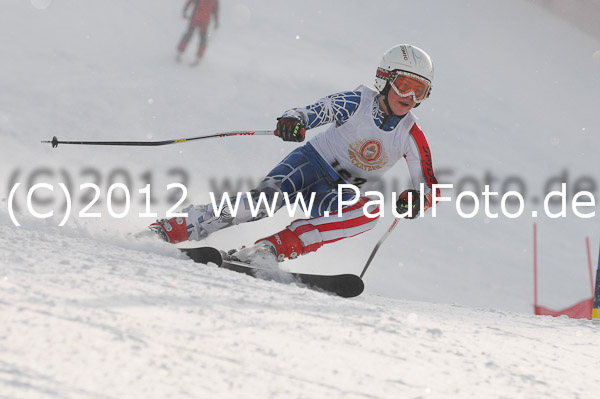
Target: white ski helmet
[(407, 58)]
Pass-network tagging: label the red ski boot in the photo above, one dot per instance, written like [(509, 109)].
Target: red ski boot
[(171, 230), (285, 244)]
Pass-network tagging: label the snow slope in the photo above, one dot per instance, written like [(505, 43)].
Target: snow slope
[(112, 320), (87, 311)]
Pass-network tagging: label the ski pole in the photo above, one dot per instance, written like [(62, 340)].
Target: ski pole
[(596, 301), (381, 240), (55, 142)]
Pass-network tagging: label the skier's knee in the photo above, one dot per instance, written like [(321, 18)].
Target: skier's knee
[(272, 190)]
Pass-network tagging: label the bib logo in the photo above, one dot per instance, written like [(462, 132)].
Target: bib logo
[(367, 154)]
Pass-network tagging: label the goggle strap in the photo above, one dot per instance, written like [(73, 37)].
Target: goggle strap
[(390, 76), (384, 74)]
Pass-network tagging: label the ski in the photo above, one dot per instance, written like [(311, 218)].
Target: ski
[(343, 285)]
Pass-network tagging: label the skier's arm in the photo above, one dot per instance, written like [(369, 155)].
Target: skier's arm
[(336, 108), (185, 7), (215, 12), (420, 165)]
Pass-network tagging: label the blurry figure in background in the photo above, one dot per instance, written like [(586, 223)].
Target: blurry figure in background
[(200, 20), (370, 130)]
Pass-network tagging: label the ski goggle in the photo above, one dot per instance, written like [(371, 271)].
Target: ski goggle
[(406, 84)]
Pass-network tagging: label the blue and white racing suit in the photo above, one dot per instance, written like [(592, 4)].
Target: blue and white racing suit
[(361, 144)]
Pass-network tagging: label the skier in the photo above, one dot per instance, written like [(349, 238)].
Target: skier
[(370, 131), (200, 19)]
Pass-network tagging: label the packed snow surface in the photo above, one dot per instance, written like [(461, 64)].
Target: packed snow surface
[(87, 310), (87, 317)]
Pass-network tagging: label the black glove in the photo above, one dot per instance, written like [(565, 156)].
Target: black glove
[(290, 128), (402, 204)]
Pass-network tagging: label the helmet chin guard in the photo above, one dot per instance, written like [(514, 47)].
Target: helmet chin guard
[(405, 58)]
